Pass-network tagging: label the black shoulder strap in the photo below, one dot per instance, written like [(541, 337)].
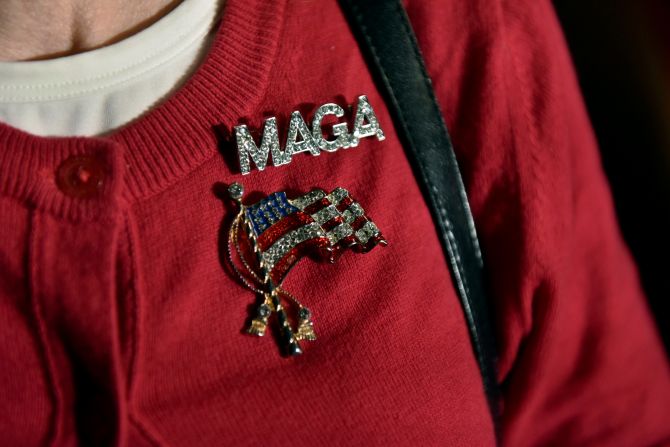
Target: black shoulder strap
[(387, 40)]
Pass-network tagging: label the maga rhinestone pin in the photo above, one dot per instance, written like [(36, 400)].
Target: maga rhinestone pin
[(300, 138), (269, 237)]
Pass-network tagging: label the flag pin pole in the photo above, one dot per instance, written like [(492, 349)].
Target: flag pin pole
[(270, 291)]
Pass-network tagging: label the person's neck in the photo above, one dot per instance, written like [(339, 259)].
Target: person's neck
[(45, 29)]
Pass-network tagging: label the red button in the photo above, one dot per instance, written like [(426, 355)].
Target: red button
[(81, 176)]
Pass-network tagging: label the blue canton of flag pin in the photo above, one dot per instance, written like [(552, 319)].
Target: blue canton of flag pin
[(269, 237)]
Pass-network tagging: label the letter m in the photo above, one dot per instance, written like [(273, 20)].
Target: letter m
[(247, 149)]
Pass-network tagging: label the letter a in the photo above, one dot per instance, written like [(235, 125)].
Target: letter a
[(364, 112)]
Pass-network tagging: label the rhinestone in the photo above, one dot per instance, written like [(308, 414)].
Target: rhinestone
[(263, 310), (304, 313), (236, 191)]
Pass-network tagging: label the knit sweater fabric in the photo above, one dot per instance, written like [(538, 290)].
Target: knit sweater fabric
[(121, 324)]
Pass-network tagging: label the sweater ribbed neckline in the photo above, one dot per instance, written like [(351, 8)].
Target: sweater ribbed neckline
[(174, 138)]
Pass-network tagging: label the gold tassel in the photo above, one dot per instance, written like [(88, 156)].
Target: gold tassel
[(258, 327), (305, 326), (260, 323)]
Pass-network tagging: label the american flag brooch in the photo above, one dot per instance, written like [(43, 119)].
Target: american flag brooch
[(269, 237)]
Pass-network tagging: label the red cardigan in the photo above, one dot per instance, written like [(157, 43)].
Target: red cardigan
[(119, 323)]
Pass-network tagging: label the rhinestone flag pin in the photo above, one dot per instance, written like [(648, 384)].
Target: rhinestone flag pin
[(269, 237)]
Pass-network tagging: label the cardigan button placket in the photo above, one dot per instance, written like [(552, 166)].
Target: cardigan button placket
[(76, 253)]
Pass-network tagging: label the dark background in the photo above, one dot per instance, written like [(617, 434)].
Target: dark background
[(621, 50)]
